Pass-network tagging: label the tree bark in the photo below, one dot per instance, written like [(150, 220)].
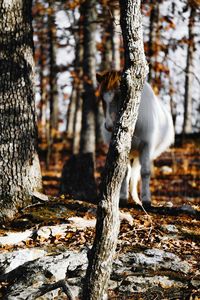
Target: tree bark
[(74, 116), (106, 39), (78, 85), (43, 92), (53, 92), (71, 112), (187, 121), (89, 76), (88, 128), (19, 166), (116, 61), (107, 228), (153, 37), (78, 172)]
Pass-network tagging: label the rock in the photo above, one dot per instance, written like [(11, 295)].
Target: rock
[(165, 170), (170, 228)]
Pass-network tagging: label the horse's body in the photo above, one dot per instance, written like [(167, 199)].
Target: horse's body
[(153, 134)]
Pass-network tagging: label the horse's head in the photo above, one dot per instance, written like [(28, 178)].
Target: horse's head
[(109, 90)]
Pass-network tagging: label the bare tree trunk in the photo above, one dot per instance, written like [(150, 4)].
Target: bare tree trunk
[(78, 172), (78, 83), (43, 93), (71, 112), (187, 121), (106, 57), (116, 61), (106, 64), (107, 228), (88, 130), (19, 166), (77, 120), (74, 116), (89, 74), (53, 93), (153, 29)]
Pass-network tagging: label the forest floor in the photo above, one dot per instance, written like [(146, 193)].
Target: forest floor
[(158, 254)]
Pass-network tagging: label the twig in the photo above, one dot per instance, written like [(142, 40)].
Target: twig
[(45, 288), (150, 219), (183, 70)]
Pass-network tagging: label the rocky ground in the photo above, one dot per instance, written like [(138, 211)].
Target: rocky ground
[(44, 251)]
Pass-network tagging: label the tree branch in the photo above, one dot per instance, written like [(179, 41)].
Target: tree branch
[(45, 288)]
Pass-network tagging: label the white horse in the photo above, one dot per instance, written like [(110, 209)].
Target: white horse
[(154, 133)]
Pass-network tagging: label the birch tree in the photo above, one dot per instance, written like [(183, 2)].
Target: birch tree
[(19, 166), (107, 228)]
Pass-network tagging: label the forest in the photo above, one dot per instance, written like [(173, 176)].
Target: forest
[(99, 149)]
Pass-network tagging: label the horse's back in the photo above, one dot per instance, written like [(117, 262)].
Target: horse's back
[(154, 123)]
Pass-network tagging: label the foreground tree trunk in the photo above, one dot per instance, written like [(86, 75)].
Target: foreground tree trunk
[(107, 228), (19, 166)]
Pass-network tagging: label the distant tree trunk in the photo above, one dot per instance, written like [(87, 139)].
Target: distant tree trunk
[(78, 172), (116, 61), (53, 92), (107, 228), (43, 93), (19, 166), (187, 122), (77, 121), (88, 132), (172, 103), (89, 77), (74, 116), (106, 64), (71, 112), (153, 29), (106, 61), (78, 85)]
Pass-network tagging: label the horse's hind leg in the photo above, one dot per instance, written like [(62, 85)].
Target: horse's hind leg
[(124, 192), (135, 176), (145, 173)]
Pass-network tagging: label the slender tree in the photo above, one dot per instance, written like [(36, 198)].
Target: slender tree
[(53, 90), (187, 121), (78, 172), (19, 166), (78, 86), (116, 59), (107, 228), (153, 43), (89, 76)]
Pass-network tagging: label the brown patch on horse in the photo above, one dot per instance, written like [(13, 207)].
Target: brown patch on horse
[(108, 81)]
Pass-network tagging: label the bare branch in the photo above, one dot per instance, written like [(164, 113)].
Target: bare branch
[(50, 287)]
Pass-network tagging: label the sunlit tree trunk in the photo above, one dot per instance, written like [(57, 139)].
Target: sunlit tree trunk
[(19, 166), (116, 61), (187, 122), (78, 85), (153, 37), (107, 228), (89, 77), (71, 112)]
